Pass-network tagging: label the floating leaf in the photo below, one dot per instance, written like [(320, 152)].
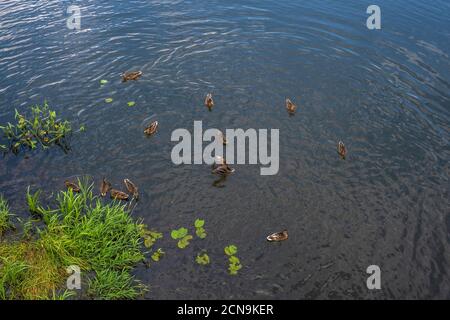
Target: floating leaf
[(201, 233), (202, 259), (178, 234), (199, 223), (103, 81), (183, 243), (131, 103), (234, 260), (157, 255), (109, 100), (230, 250)]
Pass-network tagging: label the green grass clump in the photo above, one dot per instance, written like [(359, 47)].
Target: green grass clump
[(42, 128), (5, 223), (102, 239)]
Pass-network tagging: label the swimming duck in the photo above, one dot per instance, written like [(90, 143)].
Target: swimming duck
[(105, 187), (223, 170), (119, 195), (209, 102), (71, 185), (133, 75), (278, 236), (151, 129), (290, 106), (342, 150), (223, 138), (131, 187)]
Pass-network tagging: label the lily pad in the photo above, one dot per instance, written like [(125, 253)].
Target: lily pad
[(157, 255), (109, 100), (183, 243), (131, 103), (199, 223), (201, 233), (103, 81)]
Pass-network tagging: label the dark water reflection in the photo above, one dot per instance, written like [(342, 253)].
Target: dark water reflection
[(384, 93)]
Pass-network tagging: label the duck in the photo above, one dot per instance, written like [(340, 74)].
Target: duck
[(342, 150), (131, 187), (222, 169), (72, 186), (223, 138), (278, 236), (119, 195), (132, 75), (209, 102), (290, 106), (151, 129), (105, 187)]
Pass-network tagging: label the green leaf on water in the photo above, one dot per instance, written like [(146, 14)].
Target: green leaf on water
[(109, 100), (157, 255), (202, 259), (230, 250), (103, 81), (199, 223), (178, 234), (131, 103), (183, 243), (201, 233)]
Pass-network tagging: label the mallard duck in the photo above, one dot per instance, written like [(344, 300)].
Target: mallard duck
[(133, 75), (222, 138), (151, 129), (223, 170), (342, 150), (71, 185), (290, 106), (209, 102), (104, 187), (278, 236), (119, 195), (131, 187)]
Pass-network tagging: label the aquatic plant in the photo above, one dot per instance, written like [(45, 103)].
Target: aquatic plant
[(202, 258), (103, 81), (199, 230), (149, 236), (5, 215), (42, 128), (102, 239), (131, 103), (157, 255), (109, 100), (183, 236), (234, 263)]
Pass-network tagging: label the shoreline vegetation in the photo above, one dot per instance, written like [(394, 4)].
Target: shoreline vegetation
[(86, 231), (101, 239)]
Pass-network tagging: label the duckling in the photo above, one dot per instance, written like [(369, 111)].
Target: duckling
[(133, 75), (71, 185), (278, 236), (209, 102), (131, 187), (290, 106), (105, 187), (119, 195), (151, 129), (223, 170), (342, 150)]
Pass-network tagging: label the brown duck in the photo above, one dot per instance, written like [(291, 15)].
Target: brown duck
[(290, 106), (222, 169), (133, 75), (209, 102), (342, 150), (131, 187), (105, 187), (72, 186), (151, 129), (278, 236), (119, 195)]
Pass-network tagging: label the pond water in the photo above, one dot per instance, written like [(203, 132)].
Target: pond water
[(385, 93)]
